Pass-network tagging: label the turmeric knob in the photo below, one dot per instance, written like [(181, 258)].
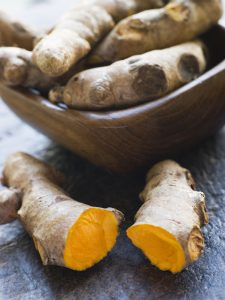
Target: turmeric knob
[(17, 69), (178, 22), (136, 79), (79, 30), (167, 227), (65, 232)]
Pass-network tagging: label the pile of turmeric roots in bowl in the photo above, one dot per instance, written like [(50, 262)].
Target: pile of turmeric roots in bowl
[(103, 55)]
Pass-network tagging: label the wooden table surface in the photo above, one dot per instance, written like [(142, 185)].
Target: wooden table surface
[(125, 273)]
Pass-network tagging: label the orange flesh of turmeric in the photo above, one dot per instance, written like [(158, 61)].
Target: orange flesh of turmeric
[(160, 246), (91, 237)]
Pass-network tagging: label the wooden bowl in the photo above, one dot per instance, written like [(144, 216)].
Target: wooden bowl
[(125, 139)]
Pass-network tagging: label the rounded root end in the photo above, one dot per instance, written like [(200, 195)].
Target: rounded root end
[(90, 239), (161, 247), (15, 72), (53, 64), (10, 202), (56, 94)]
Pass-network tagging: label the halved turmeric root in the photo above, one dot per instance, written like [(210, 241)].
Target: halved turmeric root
[(167, 227), (65, 232), (90, 238)]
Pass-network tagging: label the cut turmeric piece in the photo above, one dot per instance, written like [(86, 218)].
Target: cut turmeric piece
[(167, 227), (161, 247), (65, 232), (91, 237)]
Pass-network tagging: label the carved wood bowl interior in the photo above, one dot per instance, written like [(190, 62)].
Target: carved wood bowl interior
[(125, 139)]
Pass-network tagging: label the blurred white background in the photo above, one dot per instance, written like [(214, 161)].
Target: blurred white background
[(33, 12)]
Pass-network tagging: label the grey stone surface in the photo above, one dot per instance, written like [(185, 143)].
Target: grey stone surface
[(125, 273)]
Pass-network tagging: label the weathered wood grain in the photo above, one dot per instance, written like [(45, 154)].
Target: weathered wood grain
[(125, 139)]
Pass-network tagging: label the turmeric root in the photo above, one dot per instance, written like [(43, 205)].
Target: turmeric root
[(136, 79), (13, 33), (10, 201), (167, 227), (79, 30), (65, 232), (17, 69), (178, 22)]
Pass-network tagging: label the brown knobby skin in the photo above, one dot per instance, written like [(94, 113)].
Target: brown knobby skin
[(65, 232), (10, 202), (17, 69), (136, 79), (178, 22), (167, 227), (13, 33), (79, 30)]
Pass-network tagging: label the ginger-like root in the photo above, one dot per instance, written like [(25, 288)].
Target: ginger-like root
[(71, 39), (167, 227), (79, 30), (136, 79), (17, 69), (10, 201), (178, 22), (65, 232), (13, 33)]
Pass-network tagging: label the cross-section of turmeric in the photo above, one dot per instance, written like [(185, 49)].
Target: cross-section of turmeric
[(65, 232), (167, 227)]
